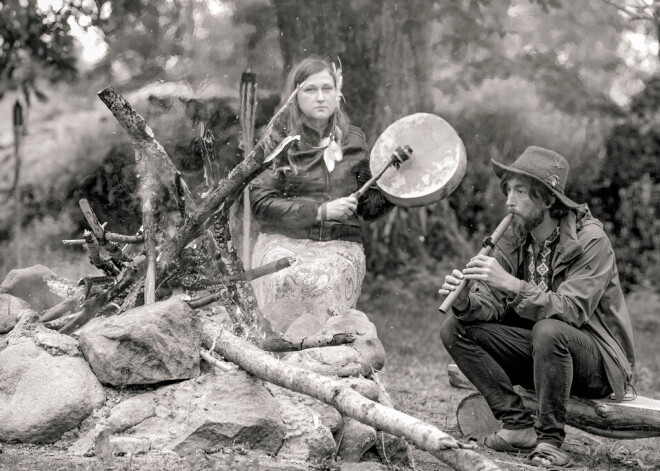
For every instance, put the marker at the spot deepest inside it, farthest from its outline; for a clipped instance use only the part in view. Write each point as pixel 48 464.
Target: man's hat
pixel 543 165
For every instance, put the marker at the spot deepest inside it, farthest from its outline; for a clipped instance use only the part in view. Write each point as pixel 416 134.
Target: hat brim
pixel 501 168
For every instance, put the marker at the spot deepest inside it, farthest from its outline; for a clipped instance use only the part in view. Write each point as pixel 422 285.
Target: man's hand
pixel 451 283
pixel 487 269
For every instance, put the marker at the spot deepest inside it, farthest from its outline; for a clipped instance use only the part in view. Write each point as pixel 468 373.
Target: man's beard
pixel 523 225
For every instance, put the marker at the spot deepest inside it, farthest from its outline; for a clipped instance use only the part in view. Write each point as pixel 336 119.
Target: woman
pixel 304 207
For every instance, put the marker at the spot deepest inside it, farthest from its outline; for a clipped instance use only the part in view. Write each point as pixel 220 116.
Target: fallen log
pixel 346 400
pixel 635 417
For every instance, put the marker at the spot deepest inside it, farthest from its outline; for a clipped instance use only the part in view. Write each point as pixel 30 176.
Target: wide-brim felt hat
pixel 543 165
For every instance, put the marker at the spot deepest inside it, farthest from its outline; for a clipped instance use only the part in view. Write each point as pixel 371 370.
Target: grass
pixel 404 308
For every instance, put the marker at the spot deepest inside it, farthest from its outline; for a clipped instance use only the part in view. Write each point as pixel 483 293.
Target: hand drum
pixel 437 165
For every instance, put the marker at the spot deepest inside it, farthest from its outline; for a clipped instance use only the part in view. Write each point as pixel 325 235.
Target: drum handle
pixel 397 158
pixel 489 243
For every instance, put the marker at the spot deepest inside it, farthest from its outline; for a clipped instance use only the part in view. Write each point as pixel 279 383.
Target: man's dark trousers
pixel 553 358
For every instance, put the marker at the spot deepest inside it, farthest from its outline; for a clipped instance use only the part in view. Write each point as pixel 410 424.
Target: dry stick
pixel 243 308
pixel 148 188
pixel 343 398
pixel 94 253
pixel 223 365
pixel 61 309
pixel 248 100
pixel 275 344
pixel 93 306
pixel 68 305
pixel 110 237
pixel 247 276
pixel 98 230
pixel 57 324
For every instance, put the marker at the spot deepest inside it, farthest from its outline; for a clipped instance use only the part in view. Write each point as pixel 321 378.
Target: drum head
pixel 436 167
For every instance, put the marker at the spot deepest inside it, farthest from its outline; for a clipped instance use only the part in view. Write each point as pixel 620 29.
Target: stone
pixel 363 466
pixel 146 345
pixel 282 312
pixel 11 311
pixel 350 320
pixel 214 410
pixel 130 412
pixel 38 285
pixel 393 449
pixel 306 325
pixel 129 445
pixel 44 395
pixel 341 360
pixel 356 439
pixel 309 426
pixel 371 354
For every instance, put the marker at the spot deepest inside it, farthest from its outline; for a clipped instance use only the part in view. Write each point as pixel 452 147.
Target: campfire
pixel 115 366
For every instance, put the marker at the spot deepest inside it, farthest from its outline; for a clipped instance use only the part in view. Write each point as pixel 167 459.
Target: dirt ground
pixel 404 310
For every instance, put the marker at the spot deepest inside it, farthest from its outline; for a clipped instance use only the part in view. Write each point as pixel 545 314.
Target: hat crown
pixel 545 165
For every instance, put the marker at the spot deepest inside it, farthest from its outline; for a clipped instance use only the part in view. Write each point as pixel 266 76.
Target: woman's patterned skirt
pixel 325 280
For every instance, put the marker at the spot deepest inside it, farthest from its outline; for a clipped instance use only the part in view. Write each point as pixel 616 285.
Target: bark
pixel 277 344
pixel 143 141
pixel 344 399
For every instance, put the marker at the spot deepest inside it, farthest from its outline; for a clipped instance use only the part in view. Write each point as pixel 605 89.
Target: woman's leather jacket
pixel 285 198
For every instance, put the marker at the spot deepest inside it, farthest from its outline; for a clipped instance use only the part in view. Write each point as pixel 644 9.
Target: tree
pixel 36 43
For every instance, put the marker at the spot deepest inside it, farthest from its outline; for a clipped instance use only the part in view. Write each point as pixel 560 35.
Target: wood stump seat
pixel 635 417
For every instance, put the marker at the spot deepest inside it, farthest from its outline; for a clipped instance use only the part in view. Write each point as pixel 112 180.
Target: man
pixel 546 311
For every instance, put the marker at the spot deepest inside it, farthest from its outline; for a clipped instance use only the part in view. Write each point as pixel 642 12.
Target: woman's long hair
pixel 292 117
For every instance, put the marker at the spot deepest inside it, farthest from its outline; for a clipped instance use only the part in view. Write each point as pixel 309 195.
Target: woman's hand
pixel 340 209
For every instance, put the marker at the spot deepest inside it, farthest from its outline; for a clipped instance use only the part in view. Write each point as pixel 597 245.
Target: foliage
pixel 36 42
pixel 628 192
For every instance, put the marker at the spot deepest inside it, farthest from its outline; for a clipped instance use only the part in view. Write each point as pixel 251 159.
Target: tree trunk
pixel 343 398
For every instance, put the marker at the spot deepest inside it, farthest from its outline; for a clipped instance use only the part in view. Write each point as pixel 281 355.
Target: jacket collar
pixel 309 144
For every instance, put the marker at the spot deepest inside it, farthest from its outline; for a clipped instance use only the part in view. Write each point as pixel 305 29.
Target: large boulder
pixel 38 285
pixel 213 411
pixel 309 426
pixel 146 345
pixel 12 309
pixel 46 387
